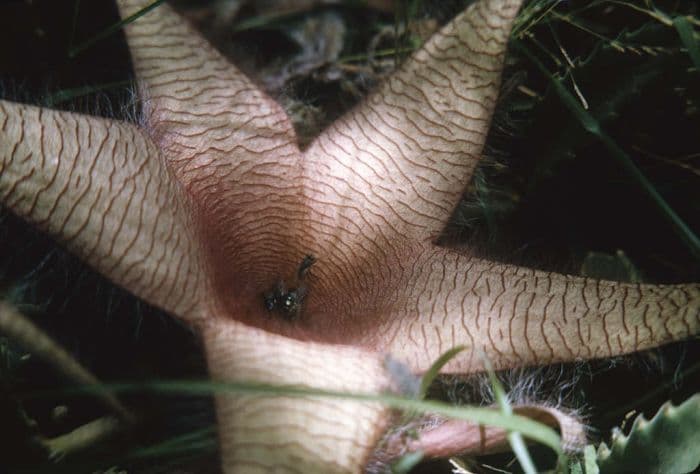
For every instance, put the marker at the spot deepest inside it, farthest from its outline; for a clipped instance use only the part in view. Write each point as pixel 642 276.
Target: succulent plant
pixel 208 209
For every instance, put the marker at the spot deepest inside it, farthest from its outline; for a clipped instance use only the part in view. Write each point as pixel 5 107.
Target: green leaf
pixel 687 35
pixel 434 369
pixel 669 442
pixel 587 465
pixel 407 462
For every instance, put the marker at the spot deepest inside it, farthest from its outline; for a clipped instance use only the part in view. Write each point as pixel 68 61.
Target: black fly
pixel 288 301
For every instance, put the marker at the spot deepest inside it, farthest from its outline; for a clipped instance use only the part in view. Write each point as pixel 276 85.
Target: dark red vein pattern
pixel 519 316
pixel 100 187
pixel 209 203
pixel 307 434
pixel 404 157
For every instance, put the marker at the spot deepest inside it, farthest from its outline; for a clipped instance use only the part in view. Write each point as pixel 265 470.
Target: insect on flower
pixel 288 302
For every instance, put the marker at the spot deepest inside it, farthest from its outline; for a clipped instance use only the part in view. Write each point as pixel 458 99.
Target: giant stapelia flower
pixel 208 208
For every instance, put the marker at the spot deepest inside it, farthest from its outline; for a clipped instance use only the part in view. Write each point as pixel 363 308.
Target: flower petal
pixel 401 160
pixel 270 433
pixel 102 189
pixel 521 317
pixel 228 143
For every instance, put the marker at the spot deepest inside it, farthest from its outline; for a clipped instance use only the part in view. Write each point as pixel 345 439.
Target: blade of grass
pixel 687 35
pixel 407 462
pixel 262 21
pixel 21 330
pixel 514 438
pixel 484 416
pixel 73 51
pixel 434 370
pixel 591 125
pixel 70 94
pixel 589 459
pixel 74 24
pixel 188 442
pixel 377 54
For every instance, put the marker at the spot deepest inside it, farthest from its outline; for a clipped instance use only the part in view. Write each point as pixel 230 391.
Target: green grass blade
pixel 204 439
pixel 589 458
pixel 262 21
pixel 407 462
pixel 484 416
pixel 66 95
pixel 434 369
pixel 514 438
pixel 75 50
pixel 687 35
pixel 520 450
pixel 591 125
pixel 74 25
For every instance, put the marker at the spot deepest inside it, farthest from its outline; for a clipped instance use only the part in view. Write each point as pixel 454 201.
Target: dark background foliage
pixel 549 195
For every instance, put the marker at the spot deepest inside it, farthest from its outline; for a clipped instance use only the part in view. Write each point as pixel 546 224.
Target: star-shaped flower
pixel 308 267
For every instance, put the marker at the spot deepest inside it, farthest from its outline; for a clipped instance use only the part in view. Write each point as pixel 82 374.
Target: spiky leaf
pixel 669 442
